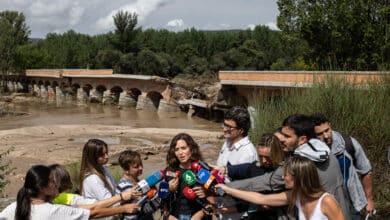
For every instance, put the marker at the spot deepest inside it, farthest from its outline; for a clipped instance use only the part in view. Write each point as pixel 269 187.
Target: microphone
pixel 150 181
pixel 218 176
pixel 209 181
pixel 190 195
pixel 204 165
pixel 163 190
pixel 189 178
pixel 149 195
pixel 195 166
pixel 172 174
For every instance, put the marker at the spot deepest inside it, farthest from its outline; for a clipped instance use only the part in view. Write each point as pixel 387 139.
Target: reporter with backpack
pixel 354 165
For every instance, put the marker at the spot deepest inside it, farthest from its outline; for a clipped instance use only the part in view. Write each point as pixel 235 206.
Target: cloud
pixel 272 26
pixel 251 26
pixel 143 8
pixel 176 23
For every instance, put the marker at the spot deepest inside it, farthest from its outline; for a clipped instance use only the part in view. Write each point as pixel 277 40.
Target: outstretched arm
pixel 278 199
pixel 103 212
pixel 124 196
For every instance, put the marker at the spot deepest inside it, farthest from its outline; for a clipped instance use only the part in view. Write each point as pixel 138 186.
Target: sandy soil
pixel 63 144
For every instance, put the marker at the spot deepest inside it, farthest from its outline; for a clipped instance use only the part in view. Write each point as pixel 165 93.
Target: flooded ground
pixel 51 134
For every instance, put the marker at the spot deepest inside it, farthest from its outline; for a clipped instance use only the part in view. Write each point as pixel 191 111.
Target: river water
pixel 39 114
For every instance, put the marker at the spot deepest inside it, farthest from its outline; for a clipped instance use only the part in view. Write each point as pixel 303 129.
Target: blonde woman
pixel 307 194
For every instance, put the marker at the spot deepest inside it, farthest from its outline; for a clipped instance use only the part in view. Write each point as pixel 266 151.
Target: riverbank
pixel 46 134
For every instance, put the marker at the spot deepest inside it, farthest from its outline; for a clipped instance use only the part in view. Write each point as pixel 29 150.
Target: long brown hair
pixel 172 161
pixel 92 150
pixel 307 184
pixel 271 141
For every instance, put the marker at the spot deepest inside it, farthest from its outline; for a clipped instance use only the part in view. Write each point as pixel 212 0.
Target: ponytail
pixel 23 207
pixel 36 178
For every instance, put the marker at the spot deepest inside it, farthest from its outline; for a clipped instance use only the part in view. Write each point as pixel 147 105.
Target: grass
pixel 362 112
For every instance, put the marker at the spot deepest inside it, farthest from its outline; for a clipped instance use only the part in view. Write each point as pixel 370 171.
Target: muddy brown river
pixel 56 134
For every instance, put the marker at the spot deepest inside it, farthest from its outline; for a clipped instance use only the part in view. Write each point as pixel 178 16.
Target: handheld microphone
pixel 189 178
pixel 163 190
pixel 149 195
pixel 218 176
pixel 195 166
pixel 209 181
pixel 190 194
pixel 172 174
pixel 204 165
pixel 150 181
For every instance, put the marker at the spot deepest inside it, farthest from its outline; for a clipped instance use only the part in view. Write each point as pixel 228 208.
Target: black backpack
pixel 349 147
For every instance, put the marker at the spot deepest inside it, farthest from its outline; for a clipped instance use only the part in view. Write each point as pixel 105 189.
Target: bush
pixel 360 111
pixel 5 169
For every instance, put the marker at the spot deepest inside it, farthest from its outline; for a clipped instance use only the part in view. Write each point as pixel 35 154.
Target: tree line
pixel 313 35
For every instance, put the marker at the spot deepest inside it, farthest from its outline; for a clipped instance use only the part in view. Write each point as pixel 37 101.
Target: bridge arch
pixel 155 98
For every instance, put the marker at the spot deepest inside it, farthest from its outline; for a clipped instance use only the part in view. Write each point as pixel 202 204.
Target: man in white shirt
pixel 237 149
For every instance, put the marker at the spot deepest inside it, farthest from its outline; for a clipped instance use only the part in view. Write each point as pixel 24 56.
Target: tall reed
pixel 360 111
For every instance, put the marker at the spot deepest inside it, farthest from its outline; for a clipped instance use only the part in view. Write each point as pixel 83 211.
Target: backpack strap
pixel 349 147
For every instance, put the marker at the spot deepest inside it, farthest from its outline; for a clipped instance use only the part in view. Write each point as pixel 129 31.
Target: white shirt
pixel 243 151
pixel 317 213
pixel 48 211
pixel 94 188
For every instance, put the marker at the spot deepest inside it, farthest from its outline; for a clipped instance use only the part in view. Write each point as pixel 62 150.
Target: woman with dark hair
pixel 32 202
pixel 183 150
pixel 307 193
pixel 95 180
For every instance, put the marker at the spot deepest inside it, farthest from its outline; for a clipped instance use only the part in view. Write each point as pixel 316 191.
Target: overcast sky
pixel 95 16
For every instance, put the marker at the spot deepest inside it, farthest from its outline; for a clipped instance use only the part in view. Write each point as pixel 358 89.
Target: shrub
pixel 360 111
pixel 5 169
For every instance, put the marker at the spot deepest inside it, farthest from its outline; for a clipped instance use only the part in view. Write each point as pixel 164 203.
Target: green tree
pixel 13 32
pixel 342 34
pixel 125 35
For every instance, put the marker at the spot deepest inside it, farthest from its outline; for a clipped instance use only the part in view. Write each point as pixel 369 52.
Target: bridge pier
pixel 82 96
pixel 60 95
pixel 36 90
pixel 108 98
pixel 43 93
pixel 166 106
pixel 144 102
pixel 11 86
pixel 51 94
pixel 95 96
pixel 127 100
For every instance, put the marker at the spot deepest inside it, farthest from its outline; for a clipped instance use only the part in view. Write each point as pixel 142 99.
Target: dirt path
pixel 63 144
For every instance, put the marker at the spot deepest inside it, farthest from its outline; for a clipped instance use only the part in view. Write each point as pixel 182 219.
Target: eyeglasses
pixel 228 127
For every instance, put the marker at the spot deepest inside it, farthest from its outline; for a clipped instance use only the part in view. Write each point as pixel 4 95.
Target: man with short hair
pixel 237 149
pixel 299 137
pixel 359 166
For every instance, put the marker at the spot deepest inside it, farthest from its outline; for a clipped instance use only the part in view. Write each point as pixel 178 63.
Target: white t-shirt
pixel 242 151
pixel 93 186
pixel 47 211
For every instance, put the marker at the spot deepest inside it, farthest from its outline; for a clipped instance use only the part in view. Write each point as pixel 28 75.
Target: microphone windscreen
pixel 218 176
pixel 163 190
pixel 189 193
pixel 195 166
pixel 189 177
pixel 203 175
pixel 154 178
